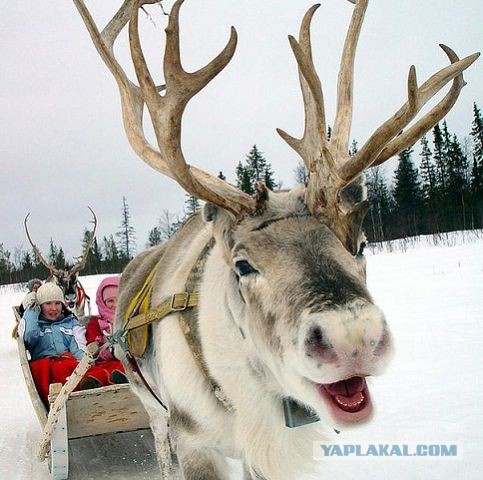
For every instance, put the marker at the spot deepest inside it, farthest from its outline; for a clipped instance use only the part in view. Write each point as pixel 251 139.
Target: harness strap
pixel 135 367
pixel 175 303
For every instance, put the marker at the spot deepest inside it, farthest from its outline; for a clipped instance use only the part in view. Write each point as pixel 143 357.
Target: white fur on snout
pixel 352 334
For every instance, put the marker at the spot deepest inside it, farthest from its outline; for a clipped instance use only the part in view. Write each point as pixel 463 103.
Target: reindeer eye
pixel 244 268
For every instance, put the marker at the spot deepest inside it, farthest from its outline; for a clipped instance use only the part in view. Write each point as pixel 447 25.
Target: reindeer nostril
pixel 318 345
pixel 383 343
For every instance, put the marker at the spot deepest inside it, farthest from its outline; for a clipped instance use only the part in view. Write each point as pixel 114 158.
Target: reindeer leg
pixel 196 462
pixel 202 464
pixel 169 468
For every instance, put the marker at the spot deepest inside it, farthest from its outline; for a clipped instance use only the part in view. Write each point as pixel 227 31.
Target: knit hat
pixel 50 292
pixel 31 283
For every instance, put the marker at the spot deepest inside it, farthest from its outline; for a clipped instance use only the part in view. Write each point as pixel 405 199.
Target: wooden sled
pixel 111 409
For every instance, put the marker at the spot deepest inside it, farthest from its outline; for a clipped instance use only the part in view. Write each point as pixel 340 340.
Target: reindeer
pixel 259 314
pixel 68 278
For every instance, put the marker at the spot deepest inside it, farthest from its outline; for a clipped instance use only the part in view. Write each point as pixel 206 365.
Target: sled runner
pixel 85 413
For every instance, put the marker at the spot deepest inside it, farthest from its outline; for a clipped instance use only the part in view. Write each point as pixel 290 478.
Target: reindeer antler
pixel 328 162
pixel 78 266
pixel 165 111
pixel 45 263
pixel 83 259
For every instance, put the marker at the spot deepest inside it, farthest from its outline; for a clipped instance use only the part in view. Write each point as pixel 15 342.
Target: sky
pixel 63 146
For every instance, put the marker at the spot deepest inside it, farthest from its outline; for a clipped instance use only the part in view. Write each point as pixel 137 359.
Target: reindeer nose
pixel 317 345
pixel 384 342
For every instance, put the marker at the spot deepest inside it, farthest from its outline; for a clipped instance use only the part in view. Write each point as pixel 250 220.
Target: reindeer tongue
pixel 347 394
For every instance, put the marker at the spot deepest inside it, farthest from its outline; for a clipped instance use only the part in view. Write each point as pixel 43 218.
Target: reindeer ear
pixel 356 218
pixel 223 224
pixel 210 212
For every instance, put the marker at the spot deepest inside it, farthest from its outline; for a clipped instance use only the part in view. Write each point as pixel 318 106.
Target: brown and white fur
pixel 305 319
pixel 284 310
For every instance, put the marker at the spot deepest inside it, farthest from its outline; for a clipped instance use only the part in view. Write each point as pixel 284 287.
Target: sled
pixel 86 413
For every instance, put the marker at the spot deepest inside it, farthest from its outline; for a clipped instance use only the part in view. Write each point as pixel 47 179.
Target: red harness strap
pixel 134 365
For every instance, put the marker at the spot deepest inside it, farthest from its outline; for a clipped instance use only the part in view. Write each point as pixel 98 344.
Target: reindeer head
pixel 66 279
pixel 293 263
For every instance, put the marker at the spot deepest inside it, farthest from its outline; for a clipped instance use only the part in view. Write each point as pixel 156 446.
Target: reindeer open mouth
pixel 349 399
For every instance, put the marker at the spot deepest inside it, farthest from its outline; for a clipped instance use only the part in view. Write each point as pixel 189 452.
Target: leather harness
pixel 134 336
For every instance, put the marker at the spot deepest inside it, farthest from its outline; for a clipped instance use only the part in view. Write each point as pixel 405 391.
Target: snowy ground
pixel 432 393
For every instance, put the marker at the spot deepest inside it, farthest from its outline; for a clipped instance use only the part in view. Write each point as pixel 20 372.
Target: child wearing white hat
pixel 56 342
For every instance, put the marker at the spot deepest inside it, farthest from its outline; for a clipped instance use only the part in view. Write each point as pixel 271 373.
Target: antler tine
pixel 45 263
pixel 343 118
pixel 165 111
pixel 417 98
pixel 315 134
pixel 82 262
pixel 410 136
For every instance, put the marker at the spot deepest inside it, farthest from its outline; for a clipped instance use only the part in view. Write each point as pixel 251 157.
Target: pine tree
pixel 458 189
pixel 6 266
pixel 111 254
pixel 126 233
pixel 53 252
pixel 428 187
pixel 243 179
pixel 377 222
pixel 192 205
pixel 477 151
pixel 407 194
pixel 427 170
pixel 60 259
pixel 96 257
pixel 256 169
pixel 154 237
pixel 439 158
pixel 221 176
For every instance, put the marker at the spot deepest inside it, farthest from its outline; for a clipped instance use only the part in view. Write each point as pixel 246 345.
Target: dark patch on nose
pixel 384 341
pixel 355 353
pixel 317 345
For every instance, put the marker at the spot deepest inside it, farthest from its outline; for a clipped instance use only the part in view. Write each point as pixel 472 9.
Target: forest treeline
pixel 444 193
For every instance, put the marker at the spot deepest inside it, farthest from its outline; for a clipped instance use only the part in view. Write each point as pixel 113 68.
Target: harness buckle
pixel 176 296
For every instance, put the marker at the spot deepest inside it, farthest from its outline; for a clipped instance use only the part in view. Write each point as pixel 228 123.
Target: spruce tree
pixel 428 187
pixel 154 237
pixel 377 223
pixel 256 169
pixel 407 194
pixel 243 179
pixel 439 158
pixel 192 205
pixel 477 151
pixel 53 252
pixel 126 233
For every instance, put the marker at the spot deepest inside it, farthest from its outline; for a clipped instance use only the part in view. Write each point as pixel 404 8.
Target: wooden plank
pixel 37 403
pixel 105 410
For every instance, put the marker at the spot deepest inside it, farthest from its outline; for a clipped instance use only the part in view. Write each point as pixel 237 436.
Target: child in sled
pixel 101 325
pixel 56 342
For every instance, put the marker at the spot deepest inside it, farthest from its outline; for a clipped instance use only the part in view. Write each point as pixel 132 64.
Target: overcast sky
pixel 63 146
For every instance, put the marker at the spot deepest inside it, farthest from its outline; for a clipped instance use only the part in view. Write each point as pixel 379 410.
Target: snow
pixel 431 393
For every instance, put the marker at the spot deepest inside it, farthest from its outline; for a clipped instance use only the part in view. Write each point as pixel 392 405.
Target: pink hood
pixel 106 315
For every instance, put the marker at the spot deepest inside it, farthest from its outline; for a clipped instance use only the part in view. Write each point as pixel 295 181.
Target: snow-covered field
pixel 432 392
